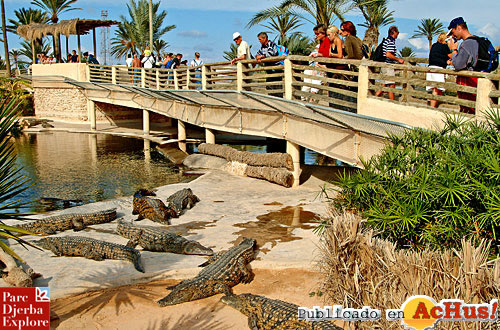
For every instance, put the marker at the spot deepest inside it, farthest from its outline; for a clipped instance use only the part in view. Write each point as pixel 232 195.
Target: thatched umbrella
pixel 67 27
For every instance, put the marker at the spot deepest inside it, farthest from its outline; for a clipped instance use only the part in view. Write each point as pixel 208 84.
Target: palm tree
pixel 406 52
pixel 376 15
pixel 133 35
pixel 232 53
pixel 281 22
pixel 27 50
pixel 298 44
pixel 53 8
pixel 159 46
pixel 429 27
pixel 26 16
pixel 5 43
pixel 14 54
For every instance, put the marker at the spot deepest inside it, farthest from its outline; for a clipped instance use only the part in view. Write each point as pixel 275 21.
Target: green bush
pixel 431 188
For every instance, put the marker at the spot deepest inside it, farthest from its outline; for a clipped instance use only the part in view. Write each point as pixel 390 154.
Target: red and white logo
pixel 24 308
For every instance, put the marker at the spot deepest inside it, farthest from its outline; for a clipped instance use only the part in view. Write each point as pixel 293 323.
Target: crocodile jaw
pixel 197 248
pixel 177 297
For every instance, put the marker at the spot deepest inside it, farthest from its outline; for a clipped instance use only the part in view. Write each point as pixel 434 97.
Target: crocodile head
pixel 44 243
pixel 238 302
pixel 144 192
pixel 196 248
pixel 250 243
pixel 180 294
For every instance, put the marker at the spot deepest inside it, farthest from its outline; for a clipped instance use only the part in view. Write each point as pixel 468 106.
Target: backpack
pixel 378 55
pixel 93 60
pixel 282 51
pixel 487 59
pixel 365 51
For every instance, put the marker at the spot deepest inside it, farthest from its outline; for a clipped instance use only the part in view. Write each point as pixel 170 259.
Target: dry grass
pixel 361 270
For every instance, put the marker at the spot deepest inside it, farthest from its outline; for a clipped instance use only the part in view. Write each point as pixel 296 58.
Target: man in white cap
pixel 243 48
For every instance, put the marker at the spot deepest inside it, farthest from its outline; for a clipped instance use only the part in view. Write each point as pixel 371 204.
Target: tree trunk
pixel 430 42
pixel 371 37
pixel 5 43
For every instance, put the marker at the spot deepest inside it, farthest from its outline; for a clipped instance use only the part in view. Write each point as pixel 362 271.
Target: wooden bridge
pixel 328 108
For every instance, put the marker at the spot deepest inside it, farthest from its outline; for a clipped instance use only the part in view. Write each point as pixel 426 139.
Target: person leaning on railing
pixel 353 45
pixel 268 49
pixel 336 51
pixel 438 58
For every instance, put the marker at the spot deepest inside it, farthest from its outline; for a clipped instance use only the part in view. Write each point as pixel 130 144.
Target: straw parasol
pixel 75 26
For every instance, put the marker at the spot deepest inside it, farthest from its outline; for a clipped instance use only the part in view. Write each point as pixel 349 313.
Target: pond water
pixel 90 167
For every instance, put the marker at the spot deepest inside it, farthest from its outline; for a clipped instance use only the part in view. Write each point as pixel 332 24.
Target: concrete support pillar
pixel 363 84
pixel 288 79
pixel 113 75
pixel 143 78
pixel 293 149
pixel 483 100
pixel 203 78
pixel 239 76
pixel 91 114
pixel 145 122
pixel 181 135
pixel 209 136
pixel 176 80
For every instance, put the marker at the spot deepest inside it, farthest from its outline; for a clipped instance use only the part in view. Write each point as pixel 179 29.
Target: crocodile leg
pixel 89 253
pixel 134 241
pixel 252 322
pixel 139 217
pixel 78 224
pixel 247 274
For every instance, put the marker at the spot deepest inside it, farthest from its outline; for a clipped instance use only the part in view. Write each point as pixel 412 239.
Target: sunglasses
pixel 316 33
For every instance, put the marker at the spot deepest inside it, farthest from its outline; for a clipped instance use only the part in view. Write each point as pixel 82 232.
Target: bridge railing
pixel 349 85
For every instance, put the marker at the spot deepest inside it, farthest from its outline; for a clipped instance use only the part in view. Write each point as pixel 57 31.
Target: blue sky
pixel 207 25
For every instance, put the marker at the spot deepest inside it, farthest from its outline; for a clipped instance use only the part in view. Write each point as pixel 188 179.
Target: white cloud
pixel 203 48
pixel 419 43
pixel 491 31
pixel 193 34
pixel 403 36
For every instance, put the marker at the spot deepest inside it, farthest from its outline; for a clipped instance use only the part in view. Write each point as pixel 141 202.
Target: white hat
pixel 236 35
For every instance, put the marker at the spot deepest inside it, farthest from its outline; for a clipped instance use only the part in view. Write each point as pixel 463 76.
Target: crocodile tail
pixel 136 260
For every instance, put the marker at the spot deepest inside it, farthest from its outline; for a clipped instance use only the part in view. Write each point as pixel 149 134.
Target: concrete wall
pixel 75 71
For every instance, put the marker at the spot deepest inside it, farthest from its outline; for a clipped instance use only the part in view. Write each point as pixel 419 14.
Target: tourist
pixel 136 64
pixel 38 57
pixel 389 51
pixel 439 56
pixel 269 49
pixel 170 57
pixel 148 60
pixel 74 57
pixel 324 43
pixel 243 51
pixel 353 45
pixel 176 62
pixel 129 60
pixel 463 58
pixel 336 51
pixel 197 62
pixel 312 72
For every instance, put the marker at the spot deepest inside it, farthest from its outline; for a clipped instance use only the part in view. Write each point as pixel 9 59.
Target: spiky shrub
pixel 432 188
pixel 12 181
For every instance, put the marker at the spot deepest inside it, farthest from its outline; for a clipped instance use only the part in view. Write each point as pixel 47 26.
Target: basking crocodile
pixel 265 313
pixel 75 221
pixel 77 246
pixel 159 240
pixel 151 208
pixel 183 199
pixel 220 276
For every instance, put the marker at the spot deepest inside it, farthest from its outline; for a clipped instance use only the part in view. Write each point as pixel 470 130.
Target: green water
pixel 90 167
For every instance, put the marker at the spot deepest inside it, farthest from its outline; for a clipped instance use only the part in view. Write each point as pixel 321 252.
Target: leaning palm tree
pixel 53 8
pixel 406 52
pixel 5 43
pixel 159 46
pixel 133 35
pixel 428 28
pixel 283 23
pixel 25 16
pixel 376 15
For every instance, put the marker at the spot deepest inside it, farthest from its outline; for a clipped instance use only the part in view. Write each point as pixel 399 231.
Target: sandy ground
pixel 134 306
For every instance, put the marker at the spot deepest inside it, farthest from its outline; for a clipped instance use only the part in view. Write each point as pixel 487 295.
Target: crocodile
pixel 151 208
pixel 75 221
pixel 218 277
pixel 183 199
pixel 265 313
pixel 77 246
pixel 159 240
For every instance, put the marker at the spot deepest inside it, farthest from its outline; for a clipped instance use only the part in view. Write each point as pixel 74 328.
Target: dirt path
pixel 134 306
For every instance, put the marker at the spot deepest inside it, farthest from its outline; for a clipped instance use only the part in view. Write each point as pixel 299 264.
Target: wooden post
pixel 188 78
pixel 181 135
pixel 176 80
pixel 33 51
pixel 91 114
pixel 293 150
pixel 209 136
pixel 79 47
pixel 67 48
pixel 288 79
pixel 363 84
pixel 145 122
pixel 113 75
pixel 157 79
pixel 239 76
pixel 203 78
pixel 94 42
pixel 483 100
pixel 143 78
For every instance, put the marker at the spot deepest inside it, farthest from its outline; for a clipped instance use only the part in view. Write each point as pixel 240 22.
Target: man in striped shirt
pixel 389 51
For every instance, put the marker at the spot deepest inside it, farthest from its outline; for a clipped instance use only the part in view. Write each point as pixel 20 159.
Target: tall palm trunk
pixel 371 37
pixel 5 43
